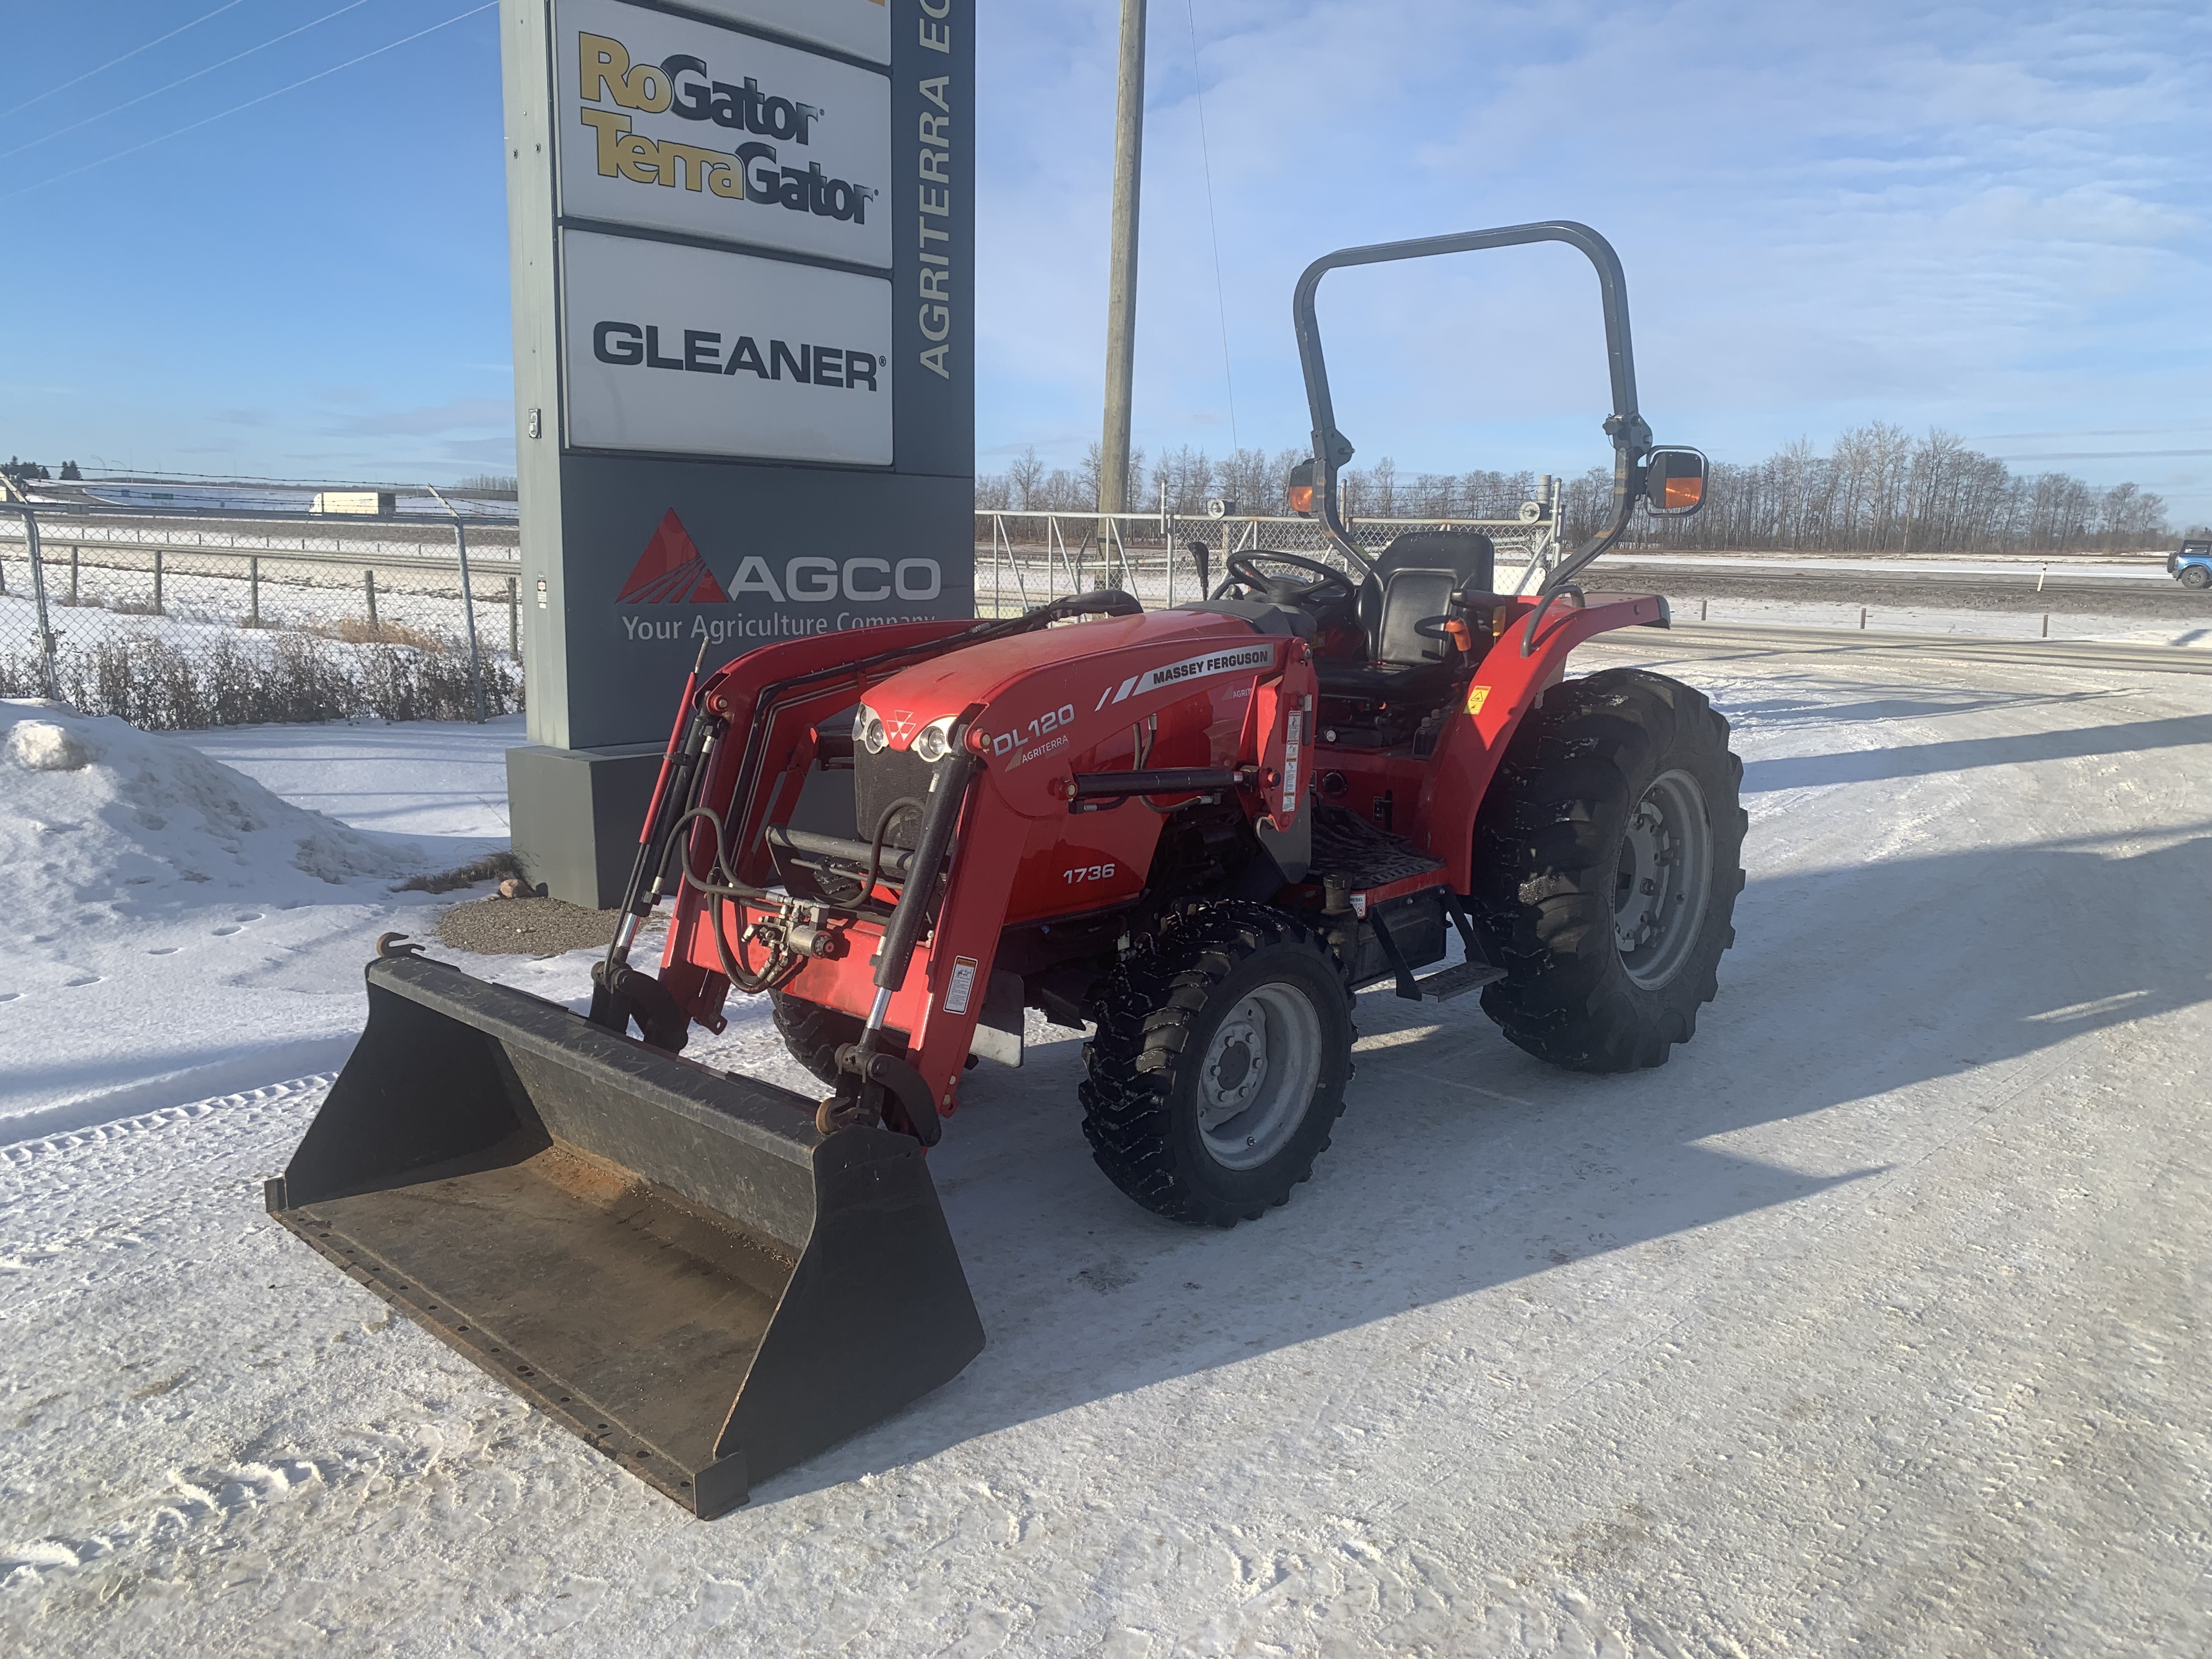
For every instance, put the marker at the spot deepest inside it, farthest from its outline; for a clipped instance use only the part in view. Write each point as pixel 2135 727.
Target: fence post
pixel 158 609
pixel 468 600
pixel 39 595
pixel 469 615
pixel 369 586
pixel 514 621
pixel 73 558
pixel 253 592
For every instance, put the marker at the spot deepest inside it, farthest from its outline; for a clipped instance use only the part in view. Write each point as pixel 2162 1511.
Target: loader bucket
pixel 670 1261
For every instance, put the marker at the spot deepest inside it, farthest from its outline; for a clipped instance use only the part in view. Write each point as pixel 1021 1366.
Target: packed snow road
pixel 1874 1321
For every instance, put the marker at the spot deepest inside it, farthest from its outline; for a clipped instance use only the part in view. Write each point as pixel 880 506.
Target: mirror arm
pixel 1631 439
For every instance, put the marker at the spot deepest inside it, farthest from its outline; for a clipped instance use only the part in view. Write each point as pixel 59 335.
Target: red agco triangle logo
pixel 671 571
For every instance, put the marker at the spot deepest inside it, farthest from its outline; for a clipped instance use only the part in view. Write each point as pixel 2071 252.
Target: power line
pixel 219 114
pixel 116 109
pixel 112 62
pixel 1205 155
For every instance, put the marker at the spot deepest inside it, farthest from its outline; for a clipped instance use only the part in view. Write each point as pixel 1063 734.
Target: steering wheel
pixel 1327 580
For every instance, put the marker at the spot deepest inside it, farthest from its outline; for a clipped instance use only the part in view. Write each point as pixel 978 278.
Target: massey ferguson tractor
pixel 1197 832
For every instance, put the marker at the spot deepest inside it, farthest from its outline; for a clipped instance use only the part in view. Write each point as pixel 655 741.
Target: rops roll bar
pixel 1631 438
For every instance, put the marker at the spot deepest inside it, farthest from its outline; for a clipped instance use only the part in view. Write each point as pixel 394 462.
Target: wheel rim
pixel 1258 1076
pixel 1665 877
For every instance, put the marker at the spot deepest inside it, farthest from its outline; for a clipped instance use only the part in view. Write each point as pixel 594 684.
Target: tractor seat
pixel 1414 580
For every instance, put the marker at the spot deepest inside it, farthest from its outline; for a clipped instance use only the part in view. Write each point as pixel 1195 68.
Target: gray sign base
pixel 576 814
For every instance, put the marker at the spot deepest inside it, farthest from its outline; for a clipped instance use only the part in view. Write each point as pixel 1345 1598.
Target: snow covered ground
pixel 175 929
pixel 2069 618
pixel 1873 1321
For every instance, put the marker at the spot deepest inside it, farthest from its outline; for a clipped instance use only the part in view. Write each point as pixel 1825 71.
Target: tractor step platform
pixel 1458 980
pixel 1365 855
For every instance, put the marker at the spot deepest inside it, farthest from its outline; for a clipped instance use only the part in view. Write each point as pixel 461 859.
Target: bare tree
pixel 1025 475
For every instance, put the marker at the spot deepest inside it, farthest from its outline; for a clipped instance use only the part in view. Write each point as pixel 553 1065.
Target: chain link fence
pixel 181 624
pixel 184 623
pixel 1024 559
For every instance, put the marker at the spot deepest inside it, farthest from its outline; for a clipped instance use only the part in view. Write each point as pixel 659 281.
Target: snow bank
pixel 172 924
pixel 93 812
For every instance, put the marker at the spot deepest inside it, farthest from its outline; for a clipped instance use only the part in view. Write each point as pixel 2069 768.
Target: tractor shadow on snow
pixel 1462 1164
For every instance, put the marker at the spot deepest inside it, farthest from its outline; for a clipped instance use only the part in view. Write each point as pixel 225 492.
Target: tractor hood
pixel 933 694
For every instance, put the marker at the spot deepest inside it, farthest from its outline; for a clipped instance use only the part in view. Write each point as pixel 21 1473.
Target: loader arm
pixel 1026 733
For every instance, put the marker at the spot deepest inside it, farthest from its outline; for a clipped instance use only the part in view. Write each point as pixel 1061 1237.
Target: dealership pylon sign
pixel 741 237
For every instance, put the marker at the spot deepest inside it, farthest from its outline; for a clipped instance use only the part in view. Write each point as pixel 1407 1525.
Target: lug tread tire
pixel 1547 846
pixel 813 1033
pixel 1141 1127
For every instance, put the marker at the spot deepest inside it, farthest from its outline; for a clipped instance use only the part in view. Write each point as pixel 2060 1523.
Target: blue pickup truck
pixel 2191 566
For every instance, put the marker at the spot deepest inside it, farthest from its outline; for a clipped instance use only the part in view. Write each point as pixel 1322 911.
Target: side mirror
pixel 1674 482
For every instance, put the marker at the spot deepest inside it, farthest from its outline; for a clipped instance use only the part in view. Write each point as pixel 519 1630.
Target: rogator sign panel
pixel 674 124
pixel 689 350
pixel 862 27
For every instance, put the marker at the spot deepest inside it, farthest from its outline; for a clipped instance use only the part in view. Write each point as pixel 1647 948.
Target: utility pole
pixel 1122 268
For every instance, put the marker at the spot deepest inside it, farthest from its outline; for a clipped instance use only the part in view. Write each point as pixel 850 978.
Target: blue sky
pixel 1990 218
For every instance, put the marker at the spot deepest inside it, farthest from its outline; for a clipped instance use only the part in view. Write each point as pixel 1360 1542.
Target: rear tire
pixel 1608 853
pixel 2196 576
pixel 1219 1063
pixel 813 1033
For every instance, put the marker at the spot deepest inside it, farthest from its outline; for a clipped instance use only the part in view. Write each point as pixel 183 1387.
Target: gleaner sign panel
pixel 678 125
pixel 862 27
pixel 685 350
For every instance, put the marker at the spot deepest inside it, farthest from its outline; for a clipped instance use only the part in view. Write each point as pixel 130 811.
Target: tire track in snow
pixel 106 1188
pixel 124 1248
pixel 119 1212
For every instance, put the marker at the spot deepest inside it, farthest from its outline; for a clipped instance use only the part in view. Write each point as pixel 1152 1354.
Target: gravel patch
pixel 526 928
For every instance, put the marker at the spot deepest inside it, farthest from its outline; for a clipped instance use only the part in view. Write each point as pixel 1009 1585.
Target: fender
pixel 1505 686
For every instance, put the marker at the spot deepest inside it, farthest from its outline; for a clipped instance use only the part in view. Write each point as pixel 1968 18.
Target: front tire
pixel 813 1033
pixel 1608 855
pixel 1219 1064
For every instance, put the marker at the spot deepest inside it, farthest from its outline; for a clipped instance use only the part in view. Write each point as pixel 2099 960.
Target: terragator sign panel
pixel 687 126
pixel 688 350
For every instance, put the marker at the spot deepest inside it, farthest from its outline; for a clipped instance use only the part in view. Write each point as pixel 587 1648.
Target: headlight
pixel 869 728
pixel 934 741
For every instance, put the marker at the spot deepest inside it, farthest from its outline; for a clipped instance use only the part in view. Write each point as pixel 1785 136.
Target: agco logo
pixel 680 87
pixel 672 571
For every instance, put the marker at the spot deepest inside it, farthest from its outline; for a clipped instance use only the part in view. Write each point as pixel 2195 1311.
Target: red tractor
pixel 1199 831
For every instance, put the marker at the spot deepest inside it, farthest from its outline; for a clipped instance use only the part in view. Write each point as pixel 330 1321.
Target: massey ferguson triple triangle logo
pixel 671 571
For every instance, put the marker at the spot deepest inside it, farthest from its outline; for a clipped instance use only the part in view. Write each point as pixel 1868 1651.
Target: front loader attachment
pixel 670 1261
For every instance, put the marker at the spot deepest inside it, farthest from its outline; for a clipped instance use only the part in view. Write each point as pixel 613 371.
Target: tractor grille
pixel 879 780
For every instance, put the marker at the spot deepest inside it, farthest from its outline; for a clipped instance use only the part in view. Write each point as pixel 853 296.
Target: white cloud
pixel 1985 217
